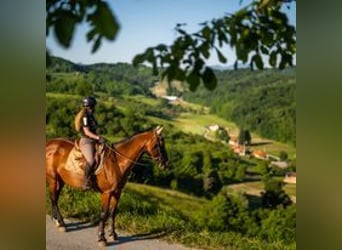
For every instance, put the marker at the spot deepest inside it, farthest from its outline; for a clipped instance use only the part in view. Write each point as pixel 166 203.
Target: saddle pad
pixel 75 162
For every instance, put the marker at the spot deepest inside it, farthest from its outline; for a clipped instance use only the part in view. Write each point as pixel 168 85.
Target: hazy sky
pixel 146 23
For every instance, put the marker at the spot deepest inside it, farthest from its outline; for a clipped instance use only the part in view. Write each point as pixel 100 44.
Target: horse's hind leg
pixel 55 188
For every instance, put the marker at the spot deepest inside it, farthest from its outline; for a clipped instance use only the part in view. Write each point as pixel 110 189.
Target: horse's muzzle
pixel 163 165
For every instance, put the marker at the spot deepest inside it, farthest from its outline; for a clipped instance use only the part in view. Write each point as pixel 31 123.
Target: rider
pixel 86 124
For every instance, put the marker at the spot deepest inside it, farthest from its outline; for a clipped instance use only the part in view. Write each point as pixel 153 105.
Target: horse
pixel 119 158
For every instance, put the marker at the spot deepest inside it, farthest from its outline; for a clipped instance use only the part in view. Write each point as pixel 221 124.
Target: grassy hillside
pixel 168 214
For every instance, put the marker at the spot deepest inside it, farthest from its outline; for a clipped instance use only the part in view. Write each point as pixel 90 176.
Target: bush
pixel 274 195
pixel 280 225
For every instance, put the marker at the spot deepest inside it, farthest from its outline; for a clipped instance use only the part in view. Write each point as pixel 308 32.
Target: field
pixel 196 123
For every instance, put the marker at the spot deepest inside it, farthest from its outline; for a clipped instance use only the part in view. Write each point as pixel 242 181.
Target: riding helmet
pixel 89 101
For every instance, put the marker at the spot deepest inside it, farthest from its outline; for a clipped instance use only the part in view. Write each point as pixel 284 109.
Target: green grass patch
pixel 165 213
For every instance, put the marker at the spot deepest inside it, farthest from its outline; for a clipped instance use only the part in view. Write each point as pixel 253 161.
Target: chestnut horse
pixel 119 158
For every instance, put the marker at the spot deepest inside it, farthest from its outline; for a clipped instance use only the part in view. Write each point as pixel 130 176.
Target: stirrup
pixel 87 185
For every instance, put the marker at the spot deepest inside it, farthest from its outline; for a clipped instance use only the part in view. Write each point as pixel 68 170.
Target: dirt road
pixel 82 236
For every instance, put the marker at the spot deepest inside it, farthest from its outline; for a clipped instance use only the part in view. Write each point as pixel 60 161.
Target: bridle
pixel 159 157
pixel 154 158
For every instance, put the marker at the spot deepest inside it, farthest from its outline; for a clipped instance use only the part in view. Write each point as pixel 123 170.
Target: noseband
pixel 159 157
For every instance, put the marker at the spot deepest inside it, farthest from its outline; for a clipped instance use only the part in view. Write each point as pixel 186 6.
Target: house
pixel 233 141
pixel 239 149
pixel 170 98
pixel 214 127
pixel 290 177
pixel 259 154
pixel 280 164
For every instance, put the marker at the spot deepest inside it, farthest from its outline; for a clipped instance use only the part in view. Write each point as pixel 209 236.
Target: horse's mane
pixel 127 139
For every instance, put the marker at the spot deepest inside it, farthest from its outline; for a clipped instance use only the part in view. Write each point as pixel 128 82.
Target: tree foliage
pixel 62 16
pixel 256 30
pixel 245 137
pixel 263 101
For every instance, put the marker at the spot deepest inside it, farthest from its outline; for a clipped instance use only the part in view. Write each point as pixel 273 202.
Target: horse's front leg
pixel 105 198
pixel 113 208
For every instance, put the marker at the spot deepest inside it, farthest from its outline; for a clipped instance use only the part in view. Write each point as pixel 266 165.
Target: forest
pixel 263 102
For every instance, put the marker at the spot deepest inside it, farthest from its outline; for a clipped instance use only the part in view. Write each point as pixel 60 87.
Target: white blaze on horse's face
pixel 159 129
pixel 157 150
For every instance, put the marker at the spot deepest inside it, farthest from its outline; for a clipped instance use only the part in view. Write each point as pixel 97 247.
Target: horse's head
pixel 156 148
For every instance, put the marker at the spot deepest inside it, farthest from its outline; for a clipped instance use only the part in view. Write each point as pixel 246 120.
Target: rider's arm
pixel 88 133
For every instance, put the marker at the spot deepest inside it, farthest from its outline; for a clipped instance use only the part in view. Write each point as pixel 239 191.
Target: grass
pixel 256 187
pixel 196 123
pixel 167 214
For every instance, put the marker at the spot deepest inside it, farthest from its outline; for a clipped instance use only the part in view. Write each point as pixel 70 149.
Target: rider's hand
pixel 102 140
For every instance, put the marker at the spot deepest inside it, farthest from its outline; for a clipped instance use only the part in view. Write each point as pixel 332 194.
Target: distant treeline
pixel 261 101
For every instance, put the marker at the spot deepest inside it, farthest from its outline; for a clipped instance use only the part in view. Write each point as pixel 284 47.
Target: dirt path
pixel 82 236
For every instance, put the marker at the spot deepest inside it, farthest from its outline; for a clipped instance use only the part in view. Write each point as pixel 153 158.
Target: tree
pixel 63 15
pixel 212 183
pixel 283 155
pixel 222 135
pixel 83 88
pixel 245 137
pixel 274 195
pixel 257 30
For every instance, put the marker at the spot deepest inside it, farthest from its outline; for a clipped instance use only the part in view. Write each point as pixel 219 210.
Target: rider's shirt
pixel 89 121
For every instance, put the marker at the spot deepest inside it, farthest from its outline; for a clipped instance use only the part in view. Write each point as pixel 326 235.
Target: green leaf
pixel 91 34
pixel 96 44
pixel 204 48
pixel 64 29
pixel 179 74
pixel 149 55
pixel 194 80
pixel 138 59
pixel 221 57
pixel 206 33
pixel 273 59
pixel 161 47
pixel 267 38
pixel 236 65
pixel 209 78
pixel 106 22
pixel 264 50
pixel 241 52
pixel 282 63
pixel 258 61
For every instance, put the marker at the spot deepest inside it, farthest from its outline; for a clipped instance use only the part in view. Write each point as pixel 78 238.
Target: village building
pixel 290 177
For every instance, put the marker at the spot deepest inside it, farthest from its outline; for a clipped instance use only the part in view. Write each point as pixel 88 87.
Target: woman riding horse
pixel 119 158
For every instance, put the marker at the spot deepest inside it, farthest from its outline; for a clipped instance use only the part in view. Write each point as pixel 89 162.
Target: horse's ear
pixel 159 129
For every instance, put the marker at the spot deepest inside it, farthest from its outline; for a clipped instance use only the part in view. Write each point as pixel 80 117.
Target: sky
pixel 147 23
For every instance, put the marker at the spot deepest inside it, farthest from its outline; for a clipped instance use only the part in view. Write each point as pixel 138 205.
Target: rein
pixel 125 157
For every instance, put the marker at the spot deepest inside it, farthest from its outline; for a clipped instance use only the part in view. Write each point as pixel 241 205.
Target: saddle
pixel 76 161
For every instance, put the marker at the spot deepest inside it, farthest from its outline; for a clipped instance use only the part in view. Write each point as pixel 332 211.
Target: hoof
pixel 102 243
pixel 62 229
pixel 113 238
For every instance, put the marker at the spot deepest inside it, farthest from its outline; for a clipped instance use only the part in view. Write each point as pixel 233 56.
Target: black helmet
pixel 89 101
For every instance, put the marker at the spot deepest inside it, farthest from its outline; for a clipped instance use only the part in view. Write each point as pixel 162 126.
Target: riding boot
pixel 87 172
